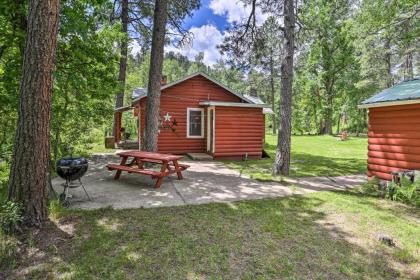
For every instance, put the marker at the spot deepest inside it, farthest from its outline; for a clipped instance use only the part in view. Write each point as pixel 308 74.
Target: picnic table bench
pixel 169 164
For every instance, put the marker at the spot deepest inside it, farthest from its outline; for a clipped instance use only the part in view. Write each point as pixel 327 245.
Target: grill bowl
pixel 72 168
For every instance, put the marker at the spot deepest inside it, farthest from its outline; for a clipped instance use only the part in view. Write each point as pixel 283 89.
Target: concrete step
pixel 200 156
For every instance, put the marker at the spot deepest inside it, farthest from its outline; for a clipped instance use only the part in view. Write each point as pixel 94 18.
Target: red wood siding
pixel 175 100
pixel 394 139
pixel 239 131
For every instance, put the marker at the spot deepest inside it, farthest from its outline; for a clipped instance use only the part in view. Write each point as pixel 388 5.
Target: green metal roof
pixel 405 90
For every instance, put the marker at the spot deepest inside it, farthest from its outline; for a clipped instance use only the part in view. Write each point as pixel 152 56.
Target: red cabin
pixel 394 130
pixel 200 115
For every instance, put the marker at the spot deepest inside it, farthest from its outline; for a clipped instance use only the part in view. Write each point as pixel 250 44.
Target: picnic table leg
pixel 178 170
pixel 140 164
pixel 118 174
pixel 162 172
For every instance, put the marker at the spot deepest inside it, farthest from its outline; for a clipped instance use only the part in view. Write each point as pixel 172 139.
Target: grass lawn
pixel 311 156
pixel 324 235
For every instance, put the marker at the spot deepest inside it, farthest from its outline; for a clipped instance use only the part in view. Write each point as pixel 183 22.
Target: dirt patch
pixel 39 249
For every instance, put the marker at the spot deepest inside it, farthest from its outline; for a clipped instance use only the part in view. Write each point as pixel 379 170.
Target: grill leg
pixel 80 181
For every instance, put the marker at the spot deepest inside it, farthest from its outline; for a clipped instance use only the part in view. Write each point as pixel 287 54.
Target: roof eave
pixel 191 76
pixel 389 103
pixel 233 104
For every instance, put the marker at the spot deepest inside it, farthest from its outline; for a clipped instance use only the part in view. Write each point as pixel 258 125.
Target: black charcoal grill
pixel 72 170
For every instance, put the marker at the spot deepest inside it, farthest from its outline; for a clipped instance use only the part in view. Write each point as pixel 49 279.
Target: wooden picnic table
pixel 169 164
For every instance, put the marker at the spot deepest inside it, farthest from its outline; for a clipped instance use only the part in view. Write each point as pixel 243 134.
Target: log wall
pixel 394 139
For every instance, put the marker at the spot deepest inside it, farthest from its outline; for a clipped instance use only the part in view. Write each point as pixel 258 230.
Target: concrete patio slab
pixel 200 156
pixel 204 182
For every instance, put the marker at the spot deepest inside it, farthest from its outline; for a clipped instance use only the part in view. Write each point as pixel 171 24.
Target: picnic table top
pixel 150 155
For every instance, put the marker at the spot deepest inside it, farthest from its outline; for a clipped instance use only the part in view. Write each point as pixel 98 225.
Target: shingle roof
pixel 140 93
pixel 405 90
pixel 257 100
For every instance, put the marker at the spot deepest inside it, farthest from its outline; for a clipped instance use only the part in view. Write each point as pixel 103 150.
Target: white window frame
pixel 202 122
pixel 209 109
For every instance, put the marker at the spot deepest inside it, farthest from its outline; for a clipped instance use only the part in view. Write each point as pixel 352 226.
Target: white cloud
pixel 205 39
pixel 235 11
pixel 135 47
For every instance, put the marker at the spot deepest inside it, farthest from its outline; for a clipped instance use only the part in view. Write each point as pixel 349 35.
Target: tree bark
pixel 155 74
pixel 29 169
pixel 282 161
pixel 273 93
pixel 409 72
pixel 119 99
pixel 387 46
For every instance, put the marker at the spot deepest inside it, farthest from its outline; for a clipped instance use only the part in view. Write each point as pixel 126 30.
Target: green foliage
pixel 10 215
pixel 326 69
pixel 85 80
pixel 4 177
pixel 405 191
pixel 373 187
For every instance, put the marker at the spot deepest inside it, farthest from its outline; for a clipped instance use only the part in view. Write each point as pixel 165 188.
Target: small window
pixel 195 123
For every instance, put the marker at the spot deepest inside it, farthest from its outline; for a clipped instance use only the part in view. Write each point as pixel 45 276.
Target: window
pixel 195 123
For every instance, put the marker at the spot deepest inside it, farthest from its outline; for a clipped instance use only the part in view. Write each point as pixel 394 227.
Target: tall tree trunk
pixel 329 98
pixel 119 99
pixel 328 116
pixel 28 174
pixel 338 123
pixel 282 161
pixel 408 71
pixel 387 46
pixel 155 74
pixel 273 107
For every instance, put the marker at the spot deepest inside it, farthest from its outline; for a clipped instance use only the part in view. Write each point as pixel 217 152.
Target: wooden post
pixel 117 127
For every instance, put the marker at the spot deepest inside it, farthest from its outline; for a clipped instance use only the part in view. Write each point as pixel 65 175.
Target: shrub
pixel 4 176
pixel 10 215
pixel 373 187
pixel 406 191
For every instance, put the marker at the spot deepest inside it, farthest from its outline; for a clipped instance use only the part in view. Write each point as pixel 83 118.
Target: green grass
pixel 311 156
pixel 319 236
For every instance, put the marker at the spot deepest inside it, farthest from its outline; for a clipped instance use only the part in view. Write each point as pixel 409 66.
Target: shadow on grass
pixel 270 238
pixel 302 165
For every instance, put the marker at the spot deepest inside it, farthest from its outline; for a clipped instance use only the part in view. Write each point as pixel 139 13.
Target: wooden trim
pixel 188 122
pixel 389 103
pixel 214 131
pixel 139 128
pixel 208 129
pixel 233 104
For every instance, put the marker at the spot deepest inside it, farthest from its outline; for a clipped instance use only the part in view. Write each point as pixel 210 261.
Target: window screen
pixel 195 118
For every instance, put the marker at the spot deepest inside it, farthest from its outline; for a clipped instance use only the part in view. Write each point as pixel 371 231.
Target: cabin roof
pixel 140 93
pixel 405 92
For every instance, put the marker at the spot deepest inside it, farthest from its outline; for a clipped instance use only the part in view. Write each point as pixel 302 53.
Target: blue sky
pixel 208 26
pixel 205 15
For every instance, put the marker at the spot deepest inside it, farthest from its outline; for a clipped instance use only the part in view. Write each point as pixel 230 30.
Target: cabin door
pixel 210 129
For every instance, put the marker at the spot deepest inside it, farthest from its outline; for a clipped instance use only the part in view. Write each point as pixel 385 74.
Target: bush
pixel 406 191
pixel 10 215
pixel 374 187
pixel 4 177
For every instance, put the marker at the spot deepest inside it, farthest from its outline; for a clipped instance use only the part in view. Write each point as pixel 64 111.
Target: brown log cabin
pixel 394 130
pixel 200 115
